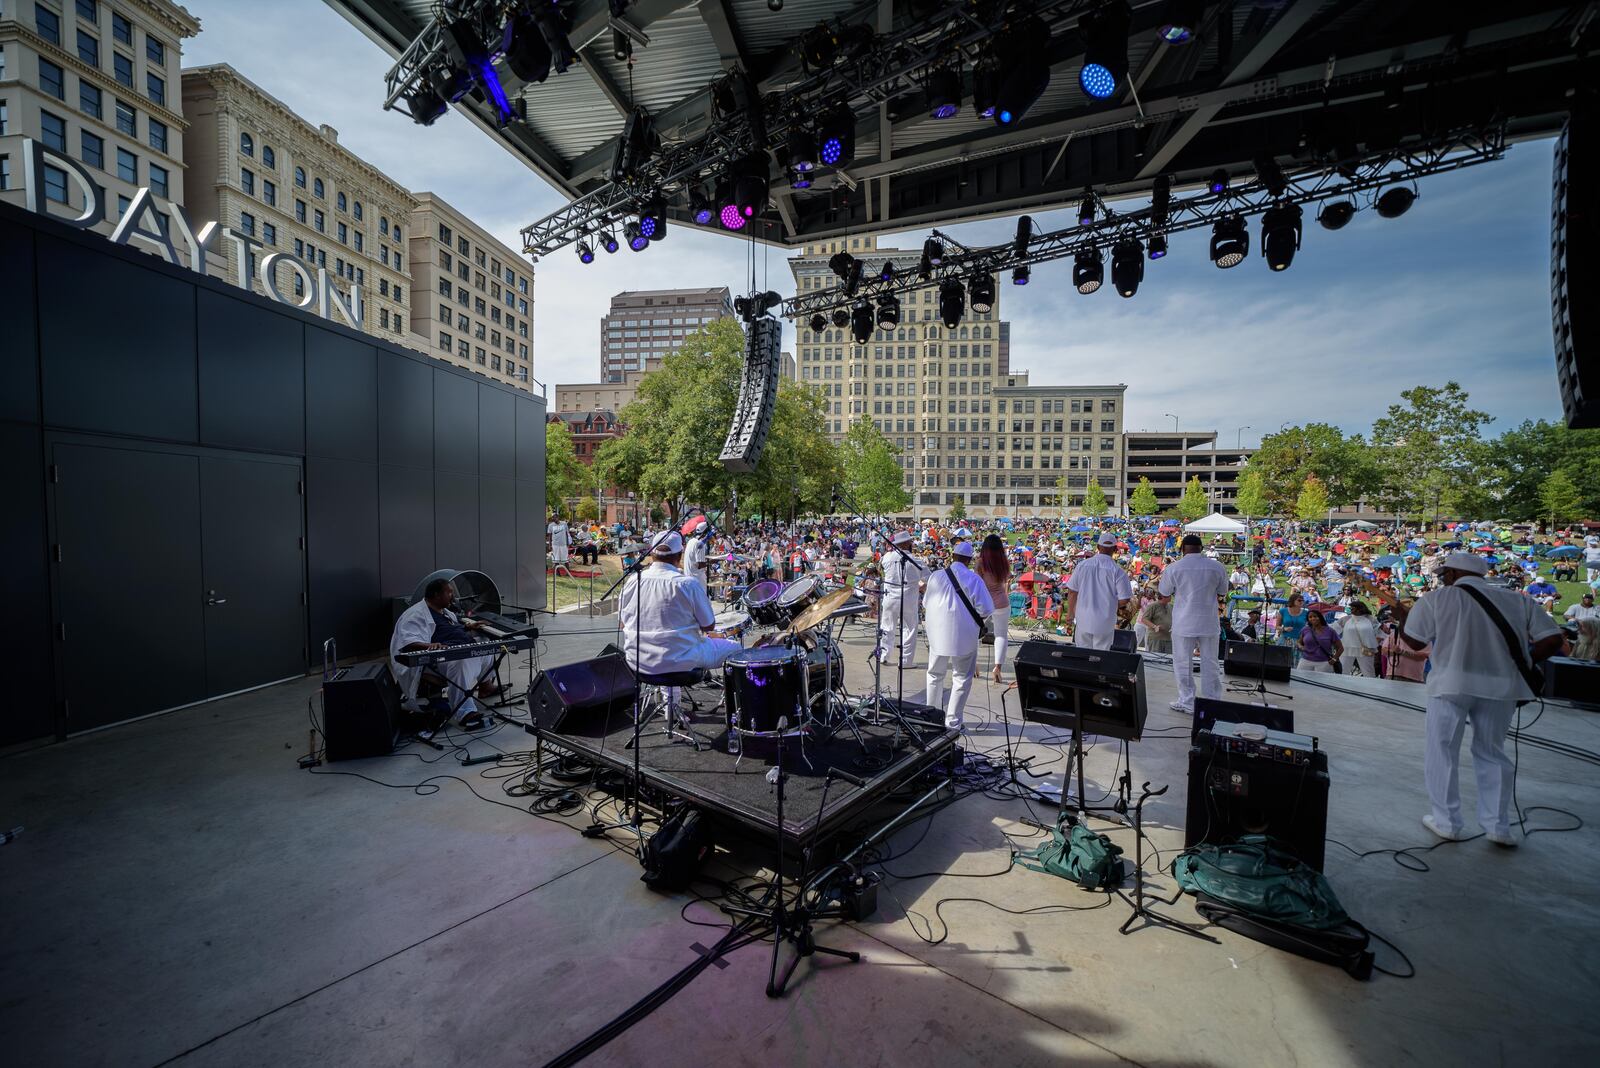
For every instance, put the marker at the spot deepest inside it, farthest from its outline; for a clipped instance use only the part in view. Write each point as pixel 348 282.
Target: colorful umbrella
pixel 1386 561
pixel 1566 552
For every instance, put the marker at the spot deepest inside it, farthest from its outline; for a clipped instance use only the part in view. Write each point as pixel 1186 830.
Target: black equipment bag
pixel 673 855
pixel 1344 946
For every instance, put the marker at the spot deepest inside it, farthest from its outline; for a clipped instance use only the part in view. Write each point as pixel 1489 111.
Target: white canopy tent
pixel 1216 523
pixel 1358 524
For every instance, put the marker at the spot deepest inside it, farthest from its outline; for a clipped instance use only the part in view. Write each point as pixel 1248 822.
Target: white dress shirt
pixel 662 615
pixel 558 541
pixel 1099 583
pixel 1194 581
pixel 1469 654
pixel 901 574
pixel 951 629
pixel 694 554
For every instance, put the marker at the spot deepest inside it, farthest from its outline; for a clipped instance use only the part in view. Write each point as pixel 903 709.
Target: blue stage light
pixel 1097 81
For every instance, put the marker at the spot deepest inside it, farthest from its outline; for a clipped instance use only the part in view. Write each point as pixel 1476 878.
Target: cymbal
pixel 821 610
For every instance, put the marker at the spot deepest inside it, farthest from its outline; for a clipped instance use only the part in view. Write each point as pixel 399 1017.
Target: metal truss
pixel 1352 180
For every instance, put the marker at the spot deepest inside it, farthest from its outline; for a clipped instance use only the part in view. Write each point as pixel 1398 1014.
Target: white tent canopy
pixel 1216 523
pixel 1358 524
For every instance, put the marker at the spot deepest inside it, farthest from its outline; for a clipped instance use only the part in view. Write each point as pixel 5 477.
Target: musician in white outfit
pixel 1097 591
pixel 696 551
pixel 664 614
pixel 1194 582
pixel 953 631
pixel 430 624
pixel 902 600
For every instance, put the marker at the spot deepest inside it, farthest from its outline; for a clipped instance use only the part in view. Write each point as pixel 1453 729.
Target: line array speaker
pixel 1574 244
pixel 758 395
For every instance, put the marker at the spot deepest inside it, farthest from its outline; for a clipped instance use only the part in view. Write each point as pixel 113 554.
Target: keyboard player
pixel 431 624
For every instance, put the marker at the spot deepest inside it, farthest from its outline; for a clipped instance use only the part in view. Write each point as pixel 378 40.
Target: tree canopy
pixel 564 476
pixel 872 476
pixel 1425 448
pixel 1094 500
pixel 1252 496
pixel 1143 502
pixel 1286 459
pixel 1311 506
pixel 1193 504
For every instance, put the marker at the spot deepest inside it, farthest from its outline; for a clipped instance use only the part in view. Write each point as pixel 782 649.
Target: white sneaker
pixel 1505 841
pixel 1179 706
pixel 1442 832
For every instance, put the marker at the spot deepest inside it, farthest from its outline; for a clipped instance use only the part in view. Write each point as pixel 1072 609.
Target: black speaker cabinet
pixel 1572 680
pixel 583 698
pixel 360 712
pixel 1235 794
pixel 1258 661
pixel 1056 683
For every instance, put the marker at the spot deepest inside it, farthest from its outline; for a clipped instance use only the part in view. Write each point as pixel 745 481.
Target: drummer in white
pixel 1096 592
pixel 1194 582
pixel 664 613
pixel 902 600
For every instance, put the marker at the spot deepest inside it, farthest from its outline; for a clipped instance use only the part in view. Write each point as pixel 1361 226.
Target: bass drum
pixel 765 691
pixel 761 601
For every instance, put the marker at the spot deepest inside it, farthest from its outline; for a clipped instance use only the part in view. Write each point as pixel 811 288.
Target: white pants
pixel 1315 665
pixel 1001 622
pixel 713 651
pixel 1592 573
pixel 1447 718
pixel 890 620
pixel 939 665
pixel 1089 639
pixel 1183 672
pixel 1366 664
pixel 463 675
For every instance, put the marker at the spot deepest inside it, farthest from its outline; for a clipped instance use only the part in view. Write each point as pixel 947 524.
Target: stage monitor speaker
pixel 1124 641
pixel 1208 711
pixel 758 395
pixel 582 698
pixel 1257 660
pixel 1235 794
pixel 360 712
pixel 1574 244
pixel 1572 680
pixel 1057 682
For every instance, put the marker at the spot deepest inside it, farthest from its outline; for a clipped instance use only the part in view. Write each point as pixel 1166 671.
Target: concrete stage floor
pixel 183 892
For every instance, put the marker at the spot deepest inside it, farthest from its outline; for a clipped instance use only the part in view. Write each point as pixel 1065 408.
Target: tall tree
pixel 1143 502
pixel 1094 500
pixel 564 476
pixel 1252 496
pixel 1559 500
pixel 1425 447
pixel 1193 504
pixel 958 507
pixel 1312 504
pixel 1517 462
pixel 1286 459
pixel 1061 497
pixel 872 476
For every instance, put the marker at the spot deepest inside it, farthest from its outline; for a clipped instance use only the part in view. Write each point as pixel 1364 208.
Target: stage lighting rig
pixel 1127 267
pixel 944 93
pixel 750 185
pixel 653 219
pixel 980 292
pixel 849 269
pixel 952 302
pixel 861 322
pixel 801 152
pixel 886 272
pixel 841 317
pixel 1088 270
pixel 637 144
pixel 728 213
pixel 609 242
pixel 1230 241
pixel 621 47
pixel 1337 215
pixel 1395 201
pixel 819 46
pixel 1181 21
pixel 1020 275
pixel 700 209
pixel 934 251
pixel 1019 244
pixel 1105 49
pixel 1280 235
pixel 1086 208
pixel 1160 200
pixel 585 251
pixel 635 237
pixel 1218 182
pixel 756 305
pixel 819 323
pixel 1023 56
pixel 527 53
pixel 836 137
pixel 888 311
pixel 1158 246
pixel 1271 175
pixel 985 88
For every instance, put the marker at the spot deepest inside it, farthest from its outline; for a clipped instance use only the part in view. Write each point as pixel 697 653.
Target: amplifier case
pixel 360 712
pixel 1232 795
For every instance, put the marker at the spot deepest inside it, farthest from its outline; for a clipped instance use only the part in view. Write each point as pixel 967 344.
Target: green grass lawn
pixel 563 592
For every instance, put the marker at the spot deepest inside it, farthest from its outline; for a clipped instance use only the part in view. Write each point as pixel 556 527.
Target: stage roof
pixel 1300 79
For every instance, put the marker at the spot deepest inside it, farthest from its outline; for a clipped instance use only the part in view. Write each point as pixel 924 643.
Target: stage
pixel 182 891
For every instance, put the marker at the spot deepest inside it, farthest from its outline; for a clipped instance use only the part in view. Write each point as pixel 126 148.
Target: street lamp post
pixel 1238 438
pixel 1174 419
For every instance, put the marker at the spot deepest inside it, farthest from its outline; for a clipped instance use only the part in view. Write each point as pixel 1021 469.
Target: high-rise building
pixel 1170 460
pixel 263 171
pixel 96 81
pixel 472 297
pixel 945 396
pixel 653 323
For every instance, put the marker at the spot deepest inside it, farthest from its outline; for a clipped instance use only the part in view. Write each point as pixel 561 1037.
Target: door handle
pixel 212 598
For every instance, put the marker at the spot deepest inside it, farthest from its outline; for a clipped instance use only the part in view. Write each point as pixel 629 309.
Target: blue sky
pixel 1458 288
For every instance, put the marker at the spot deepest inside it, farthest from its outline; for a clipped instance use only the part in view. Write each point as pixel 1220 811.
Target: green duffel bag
pixel 1254 876
pixel 1078 854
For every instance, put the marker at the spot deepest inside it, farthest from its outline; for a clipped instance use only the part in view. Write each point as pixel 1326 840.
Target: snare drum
pixel 765 690
pixel 799 594
pixel 731 625
pixel 761 601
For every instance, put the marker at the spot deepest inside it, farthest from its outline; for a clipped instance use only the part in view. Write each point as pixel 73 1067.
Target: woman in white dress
pixel 1358 632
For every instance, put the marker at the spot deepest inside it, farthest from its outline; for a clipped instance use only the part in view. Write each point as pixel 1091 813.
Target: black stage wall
pixel 200 485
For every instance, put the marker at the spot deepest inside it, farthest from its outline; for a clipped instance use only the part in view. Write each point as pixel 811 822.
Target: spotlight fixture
pixel 924 267
pixel 981 290
pixel 425 105
pixel 802 151
pixel 861 322
pixel 934 251
pixel 774 5
pixel 886 272
pixel 1280 235
pixel 1271 175
pixel 888 311
pixel 1337 215
pixel 635 146
pixel 1230 242
pixel 1158 246
pixel 1027 71
pixel 608 241
pixel 1160 199
pixel 1395 201
pixel 449 83
pixel 818 46
pixel 585 251
pixel 1019 244
pixel 819 323
pixel 621 46
pixel 1127 267
pixel 1218 182
pixel 841 317
pixel 944 93
pixel 700 209
pixel 1086 208
pixel 653 219
pixel 952 302
pixel 985 89
pixel 527 52
pixel 756 305
pixel 728 213
pixel 836 137
pixel 1105 50
pixel 1020 275
pixel 635 236
pixel 1181 21
pixel 841 263
pixel 1088 271
pixel 553 24
pixel 800 179
pixel 750 185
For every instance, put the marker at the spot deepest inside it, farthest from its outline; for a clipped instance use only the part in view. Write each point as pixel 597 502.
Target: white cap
pixel 1107 538
pixel 669 544
pixel 962 548
pixel 901 537
pixel 1471 563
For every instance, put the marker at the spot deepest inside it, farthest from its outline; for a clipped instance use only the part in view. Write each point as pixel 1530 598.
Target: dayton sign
pixel 142 222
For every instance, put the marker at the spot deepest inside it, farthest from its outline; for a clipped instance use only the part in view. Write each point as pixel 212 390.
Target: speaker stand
pixel 1141 910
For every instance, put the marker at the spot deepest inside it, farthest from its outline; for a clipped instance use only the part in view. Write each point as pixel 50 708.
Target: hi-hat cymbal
pixel 821 610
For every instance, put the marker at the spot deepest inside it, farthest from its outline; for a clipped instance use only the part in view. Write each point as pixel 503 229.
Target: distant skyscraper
pixel 653 323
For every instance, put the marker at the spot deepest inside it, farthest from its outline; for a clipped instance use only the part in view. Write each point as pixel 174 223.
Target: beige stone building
pixel 264 172
pixel 652 323
pixel 98 82
pixel 947 399
pixel 601 396
pixel 472 297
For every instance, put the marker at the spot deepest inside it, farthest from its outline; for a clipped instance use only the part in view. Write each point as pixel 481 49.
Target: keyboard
pixel 424 657
pixel 503 626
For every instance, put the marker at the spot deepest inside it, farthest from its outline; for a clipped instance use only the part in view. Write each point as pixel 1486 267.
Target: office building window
pixel 300 177
pixel 344 234
pixel 269 233
pixel 121 29
pixel 88 10
pixel 155 51
pixel 127 166
pixel 247 223
pixel 316 189
pixel 126 120
pixel 358 211
pixel 122 67
pixel 89 99
pixel 92 149
pixel 446 342
pixel 5 172
pixel 55 184
pixel 247 181
pixel 397 264
pixel 269 158
pixel 247 144
pixel 5 119
pixel 89 48
pixel 319 222
pixel 383 317
pixel 51 81
pixel 156 87
pixel 359 241
pixel 53 131
pixel 158 181
pixel 341 203
pixel 48 23
pixel 269 193
pixel 383 225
